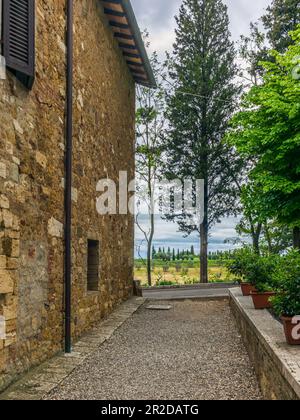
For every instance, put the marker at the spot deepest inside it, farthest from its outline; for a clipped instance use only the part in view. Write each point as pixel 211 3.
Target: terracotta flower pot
pixel 262 300
pixel 247 288
pixel 292 330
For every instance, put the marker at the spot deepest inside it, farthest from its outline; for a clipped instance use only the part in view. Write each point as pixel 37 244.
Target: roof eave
pixel 123 22
pixel 140 43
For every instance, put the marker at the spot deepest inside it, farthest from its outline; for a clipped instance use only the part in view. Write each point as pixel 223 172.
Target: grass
pixel 186 276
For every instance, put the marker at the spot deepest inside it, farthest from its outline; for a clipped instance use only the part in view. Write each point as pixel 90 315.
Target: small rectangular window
pixel 93 266
pixel 19 39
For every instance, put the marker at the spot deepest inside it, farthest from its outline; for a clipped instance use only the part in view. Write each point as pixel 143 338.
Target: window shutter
pixel 19 39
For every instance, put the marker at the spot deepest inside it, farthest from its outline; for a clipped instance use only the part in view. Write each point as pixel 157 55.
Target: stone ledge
pixel 40 381
pixel 276 363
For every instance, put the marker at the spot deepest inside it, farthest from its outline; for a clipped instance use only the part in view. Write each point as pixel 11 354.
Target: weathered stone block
pixel 7 219
pixel 41 159
pixel 3 261
pixel 9 148
pixel 2 170
pixel 55 228
pixel 4 202
pixel 18 127
pixel 10 339
pixel 14 172
pixel 3 359
pixel 6 282
pixel 12 263
pixel 11 247
pixel 10 308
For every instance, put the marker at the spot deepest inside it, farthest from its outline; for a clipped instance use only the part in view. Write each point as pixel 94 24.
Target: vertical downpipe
pixel 68 175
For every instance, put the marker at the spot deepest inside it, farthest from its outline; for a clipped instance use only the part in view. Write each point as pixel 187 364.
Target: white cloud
pixel 158 17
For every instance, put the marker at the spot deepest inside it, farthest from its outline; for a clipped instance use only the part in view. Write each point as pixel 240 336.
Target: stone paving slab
pixel 40 381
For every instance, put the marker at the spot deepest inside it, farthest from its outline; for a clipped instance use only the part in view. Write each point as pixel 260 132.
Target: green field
pixel 185 273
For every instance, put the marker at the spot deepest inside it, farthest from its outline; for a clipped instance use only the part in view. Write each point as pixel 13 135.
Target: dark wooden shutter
pixel 19 37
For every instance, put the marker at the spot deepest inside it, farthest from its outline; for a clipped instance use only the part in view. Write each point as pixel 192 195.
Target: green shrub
pixel 258 270
pixel 238 265
pixel 260 273
pixel 188 281
pixel 184 272
pixel 166 268
pixel 178 268
pixel 287 276
pixel 165 283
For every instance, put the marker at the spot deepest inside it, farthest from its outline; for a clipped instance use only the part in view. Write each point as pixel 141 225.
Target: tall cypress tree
pixel 202 69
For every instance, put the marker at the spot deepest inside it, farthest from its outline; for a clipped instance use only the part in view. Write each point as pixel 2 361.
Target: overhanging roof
pixel 122 20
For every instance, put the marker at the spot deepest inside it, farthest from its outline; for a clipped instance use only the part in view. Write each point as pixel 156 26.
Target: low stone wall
pixel 277 365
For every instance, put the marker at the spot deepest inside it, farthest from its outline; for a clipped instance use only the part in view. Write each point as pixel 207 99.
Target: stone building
pixel 108 59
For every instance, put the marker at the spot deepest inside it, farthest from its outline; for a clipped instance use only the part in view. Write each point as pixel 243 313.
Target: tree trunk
pixel 296 237
pixel 149 250
pixel 268 237
pixel 204 240
pixel 256 232
pixel 204 255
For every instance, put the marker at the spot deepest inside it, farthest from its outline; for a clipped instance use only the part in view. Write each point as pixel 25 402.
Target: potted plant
pixel 238 266
pixel 260 274
pixel 262 297
pixel 247 288
pixel 287 303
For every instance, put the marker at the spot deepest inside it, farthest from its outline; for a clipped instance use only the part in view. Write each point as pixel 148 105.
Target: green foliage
pixel 272 31
pixel 280 19
pixel 238 265
pixel 258 270
pixel 166 268
pixel 287 275
pixel 170 255
pixel 165 283
pixel 267 133
pixel 260 273
pixel 184 272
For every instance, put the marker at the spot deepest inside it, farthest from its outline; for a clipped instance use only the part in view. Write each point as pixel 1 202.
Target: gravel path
pixel 192 351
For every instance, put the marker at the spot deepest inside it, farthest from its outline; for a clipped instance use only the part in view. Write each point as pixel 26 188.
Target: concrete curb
pixel 40 381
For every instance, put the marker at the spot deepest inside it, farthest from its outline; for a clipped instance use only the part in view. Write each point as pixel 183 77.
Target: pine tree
pixel 202 69
pixel 272 31
pixel 154 253
pixel 281 17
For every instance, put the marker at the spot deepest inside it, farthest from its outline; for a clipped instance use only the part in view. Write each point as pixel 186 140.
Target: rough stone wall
pixel 32 127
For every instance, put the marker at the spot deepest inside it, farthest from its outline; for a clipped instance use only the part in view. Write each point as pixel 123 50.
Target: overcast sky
pixel 158 17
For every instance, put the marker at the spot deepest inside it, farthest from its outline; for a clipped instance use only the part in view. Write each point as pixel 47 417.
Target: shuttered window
pixel 18 39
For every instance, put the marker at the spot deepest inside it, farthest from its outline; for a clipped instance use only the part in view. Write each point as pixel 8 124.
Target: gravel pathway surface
pixel 192 351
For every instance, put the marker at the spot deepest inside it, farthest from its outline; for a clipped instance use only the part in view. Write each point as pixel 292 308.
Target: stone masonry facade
pixel 32 153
